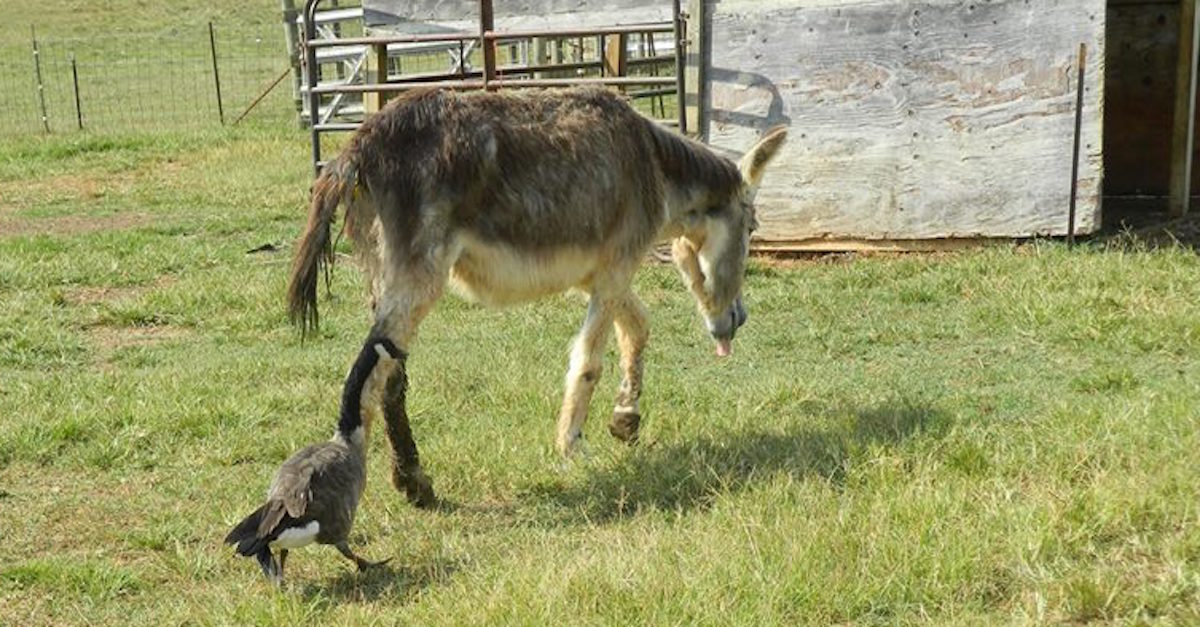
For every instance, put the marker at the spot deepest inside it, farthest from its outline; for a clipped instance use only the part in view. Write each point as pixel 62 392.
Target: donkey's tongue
pixel 724 348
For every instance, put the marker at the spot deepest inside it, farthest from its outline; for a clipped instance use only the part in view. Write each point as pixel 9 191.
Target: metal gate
pixel 609 42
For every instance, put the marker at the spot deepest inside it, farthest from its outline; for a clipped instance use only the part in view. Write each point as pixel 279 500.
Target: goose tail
pixel 245 535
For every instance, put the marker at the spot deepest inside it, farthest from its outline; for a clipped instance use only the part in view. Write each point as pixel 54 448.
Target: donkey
pixel 510 196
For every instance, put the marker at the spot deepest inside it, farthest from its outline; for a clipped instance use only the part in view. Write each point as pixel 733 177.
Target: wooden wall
pixel 910 120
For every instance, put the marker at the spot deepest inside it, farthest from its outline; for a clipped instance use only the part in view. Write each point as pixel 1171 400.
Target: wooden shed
pixel 915 123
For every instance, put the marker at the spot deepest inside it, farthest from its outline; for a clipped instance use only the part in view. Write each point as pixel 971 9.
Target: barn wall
pixel 911 120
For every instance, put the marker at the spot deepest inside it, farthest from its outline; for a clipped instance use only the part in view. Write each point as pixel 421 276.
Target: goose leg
pixel 269 566
pixel 362 564
pixel 282 558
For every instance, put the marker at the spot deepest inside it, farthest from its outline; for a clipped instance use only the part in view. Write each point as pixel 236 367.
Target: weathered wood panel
pixel 933 119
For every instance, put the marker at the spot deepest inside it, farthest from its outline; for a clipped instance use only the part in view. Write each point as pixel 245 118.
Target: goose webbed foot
pixel 362 564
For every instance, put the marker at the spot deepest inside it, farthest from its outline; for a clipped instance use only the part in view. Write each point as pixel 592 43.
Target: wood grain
pixel 911 120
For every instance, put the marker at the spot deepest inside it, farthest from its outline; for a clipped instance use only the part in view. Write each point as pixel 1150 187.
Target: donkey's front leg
pixel 407 473
pixel 631 321
pixel 583 373
pixel 406 296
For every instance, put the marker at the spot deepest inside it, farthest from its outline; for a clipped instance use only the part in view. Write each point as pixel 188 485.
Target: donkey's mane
pixel 687 162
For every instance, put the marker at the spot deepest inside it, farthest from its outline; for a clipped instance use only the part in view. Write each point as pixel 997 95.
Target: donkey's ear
pixel 754 163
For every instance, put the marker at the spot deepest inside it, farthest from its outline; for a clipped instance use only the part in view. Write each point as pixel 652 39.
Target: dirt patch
pixel 59 509
pixel 797 260
pixel 1183 231
pixel 107 340
pixel 94 295
pixel 17 193
pixel 11 226
pixel 97 294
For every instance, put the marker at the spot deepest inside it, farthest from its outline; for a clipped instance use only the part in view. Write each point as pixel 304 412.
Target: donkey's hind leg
pixel 631 322
pixel 407 294
pixel 583 373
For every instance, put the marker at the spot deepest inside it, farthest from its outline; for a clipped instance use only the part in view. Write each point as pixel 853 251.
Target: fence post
pixel 376 74
pixel 291 34
pixel 212 47
pixel 37 71
pixel 487 23
pixel 699 59
pixel 75 82
pixel 680 64
pixel 615 54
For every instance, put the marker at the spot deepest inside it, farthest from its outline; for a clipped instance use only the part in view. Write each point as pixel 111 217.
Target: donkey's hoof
pixel 417 488
pixel 420 493
pixel 624 426
pixel 570 444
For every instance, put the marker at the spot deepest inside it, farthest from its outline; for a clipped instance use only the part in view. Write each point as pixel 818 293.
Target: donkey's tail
pixel 315 252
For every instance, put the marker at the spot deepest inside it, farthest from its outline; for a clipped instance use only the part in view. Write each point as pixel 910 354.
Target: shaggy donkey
pixel 515 195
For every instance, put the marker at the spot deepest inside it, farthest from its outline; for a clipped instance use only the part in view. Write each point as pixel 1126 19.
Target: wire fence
pixel 202 75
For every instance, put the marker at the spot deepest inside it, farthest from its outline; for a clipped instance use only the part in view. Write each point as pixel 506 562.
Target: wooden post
pixel 681 47
pixel 699 55
pixel 541 54
pixel 616 57
pixel 291 35
pixel 1183 135
pixel 488 47
pixel 376 74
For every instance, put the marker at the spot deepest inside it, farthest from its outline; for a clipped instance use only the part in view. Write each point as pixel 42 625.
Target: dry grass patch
pixel 12 226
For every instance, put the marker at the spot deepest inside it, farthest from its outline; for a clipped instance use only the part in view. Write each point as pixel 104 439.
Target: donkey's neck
pixel 695 175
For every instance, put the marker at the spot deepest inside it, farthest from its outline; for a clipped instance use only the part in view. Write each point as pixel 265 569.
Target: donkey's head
pixel 711 252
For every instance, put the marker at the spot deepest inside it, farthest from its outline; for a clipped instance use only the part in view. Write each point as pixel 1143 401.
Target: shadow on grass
pixel 690 475
pixel 384 581
pixel 1145 224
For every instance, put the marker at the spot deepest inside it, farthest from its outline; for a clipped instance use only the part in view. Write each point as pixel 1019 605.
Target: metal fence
pixel 201 75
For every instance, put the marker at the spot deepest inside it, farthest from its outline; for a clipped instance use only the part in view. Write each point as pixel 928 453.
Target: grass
pixel 1004 435
pixel 1001 435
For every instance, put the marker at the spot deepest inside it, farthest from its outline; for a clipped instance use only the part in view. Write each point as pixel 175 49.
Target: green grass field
pixel 1002 435
pixel 1006 435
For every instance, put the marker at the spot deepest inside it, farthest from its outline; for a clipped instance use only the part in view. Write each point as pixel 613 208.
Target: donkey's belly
pixel 496 274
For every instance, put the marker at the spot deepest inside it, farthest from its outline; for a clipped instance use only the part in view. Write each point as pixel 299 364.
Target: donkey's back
pixel 535 170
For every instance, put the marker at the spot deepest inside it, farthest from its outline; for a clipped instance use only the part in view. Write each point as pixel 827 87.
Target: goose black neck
pixel 352 393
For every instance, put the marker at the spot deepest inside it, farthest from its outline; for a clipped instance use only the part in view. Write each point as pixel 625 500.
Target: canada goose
pixel 314 495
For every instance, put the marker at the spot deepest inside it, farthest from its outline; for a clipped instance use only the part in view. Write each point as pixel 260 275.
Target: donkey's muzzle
pixel 724 327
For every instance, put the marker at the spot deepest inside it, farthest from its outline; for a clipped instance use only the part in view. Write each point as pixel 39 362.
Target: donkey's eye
pixel 713 211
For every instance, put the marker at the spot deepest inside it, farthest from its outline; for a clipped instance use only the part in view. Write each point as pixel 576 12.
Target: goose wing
pixel 291 491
